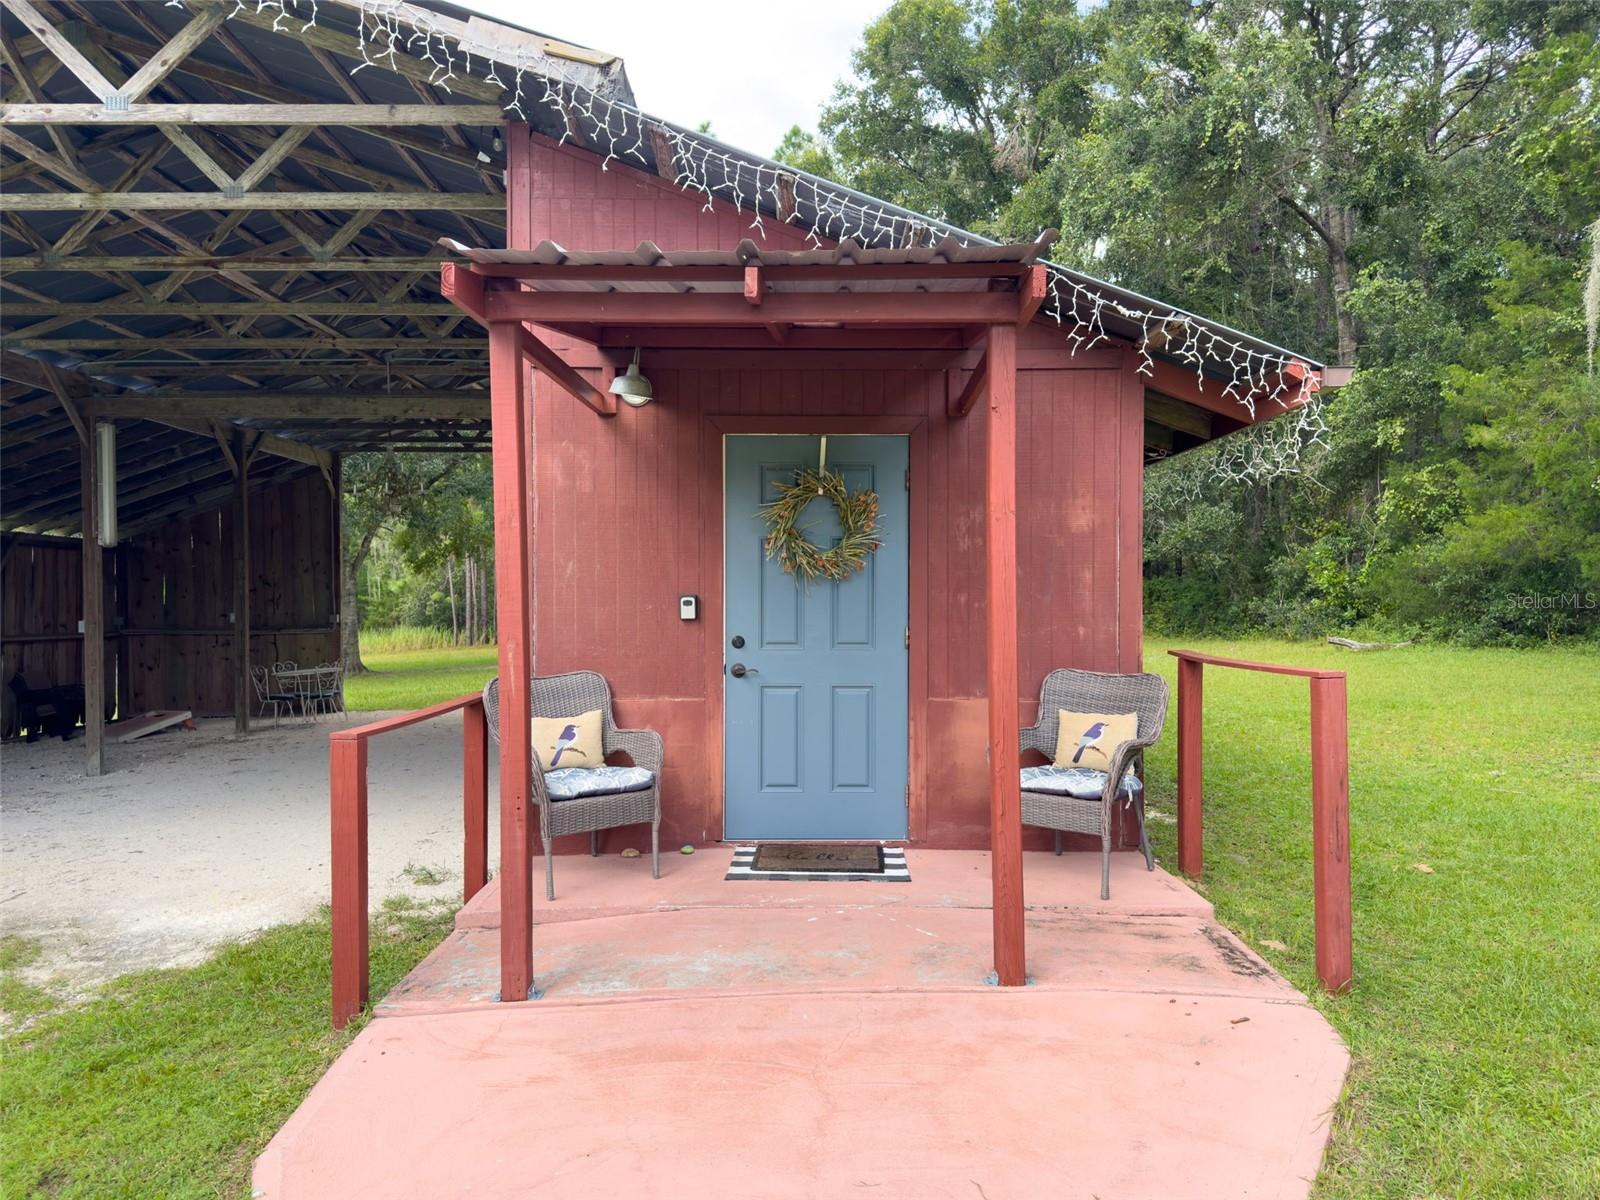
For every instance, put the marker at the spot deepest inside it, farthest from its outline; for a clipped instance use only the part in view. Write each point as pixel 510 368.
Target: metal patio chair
pixel 261 679
pixel 1079 799
pixel 570 695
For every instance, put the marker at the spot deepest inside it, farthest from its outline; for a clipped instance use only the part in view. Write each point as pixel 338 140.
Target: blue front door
pixel 815 727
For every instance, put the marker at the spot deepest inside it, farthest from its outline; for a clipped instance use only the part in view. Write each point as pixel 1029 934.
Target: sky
pixel 752 69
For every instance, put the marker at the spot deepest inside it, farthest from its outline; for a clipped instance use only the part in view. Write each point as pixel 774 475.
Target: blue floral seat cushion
pixel 1079 782
pixel 573 783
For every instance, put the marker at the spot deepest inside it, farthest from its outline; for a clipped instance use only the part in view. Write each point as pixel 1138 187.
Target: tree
pixel 958 105
pixel 380 491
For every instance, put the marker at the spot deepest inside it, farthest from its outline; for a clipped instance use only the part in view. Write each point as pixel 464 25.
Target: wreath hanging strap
pixel 787 541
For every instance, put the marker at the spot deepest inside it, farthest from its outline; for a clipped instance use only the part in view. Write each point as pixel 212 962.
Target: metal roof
pixel 104 318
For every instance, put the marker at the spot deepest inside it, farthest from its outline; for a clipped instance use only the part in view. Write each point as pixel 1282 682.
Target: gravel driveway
pixel 198 837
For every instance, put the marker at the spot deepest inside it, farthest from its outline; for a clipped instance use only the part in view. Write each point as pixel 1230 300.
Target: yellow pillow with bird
pixel 1090 739
pixel 561 742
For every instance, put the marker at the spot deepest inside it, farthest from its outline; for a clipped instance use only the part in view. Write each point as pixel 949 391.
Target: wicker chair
pixel 1091 691
pixel 567 696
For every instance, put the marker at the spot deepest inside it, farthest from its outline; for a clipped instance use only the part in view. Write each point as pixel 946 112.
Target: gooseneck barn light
pixel 633 387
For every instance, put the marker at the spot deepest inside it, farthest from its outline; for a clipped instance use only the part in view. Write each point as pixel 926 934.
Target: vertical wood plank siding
pixel 628 512
pixel 172 588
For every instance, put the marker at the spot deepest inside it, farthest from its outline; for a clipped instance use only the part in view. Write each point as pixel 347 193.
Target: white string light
pixel 387 29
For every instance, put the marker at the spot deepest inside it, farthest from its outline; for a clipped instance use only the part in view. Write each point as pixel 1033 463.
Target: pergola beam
pixel 828 309
pixel 247 114
pixel 467 291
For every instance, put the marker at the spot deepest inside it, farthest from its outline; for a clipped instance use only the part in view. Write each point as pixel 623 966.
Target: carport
pixel 218 250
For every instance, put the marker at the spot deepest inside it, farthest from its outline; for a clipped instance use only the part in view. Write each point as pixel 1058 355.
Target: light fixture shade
pixel 633 387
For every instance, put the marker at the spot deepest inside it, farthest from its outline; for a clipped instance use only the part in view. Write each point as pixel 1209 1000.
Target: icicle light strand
pixel 388 29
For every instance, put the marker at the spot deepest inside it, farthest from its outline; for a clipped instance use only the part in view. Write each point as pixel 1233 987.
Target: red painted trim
pixel 465 289
pixel 474 800
pixel 719 308
pixel 565 377
pixel 773 273
pixel 1330 799
pixel 1005 798
pixel 715 428
pixel 347 804
pixel 360 733
pixel 721 340
pixel 513 573
pixel 347 787
pixel 752 286
pixel 1191 735
pixel 1181 383
pixel 1246 665
pixel 977 382
pixel 1330 830
pixel 1130 519
pixel 1035 286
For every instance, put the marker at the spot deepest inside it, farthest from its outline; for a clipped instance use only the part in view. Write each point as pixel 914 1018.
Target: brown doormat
pixel 796 856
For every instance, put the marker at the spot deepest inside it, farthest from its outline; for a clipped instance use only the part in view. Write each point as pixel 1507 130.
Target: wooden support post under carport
pixel 94 611
pixel 239 454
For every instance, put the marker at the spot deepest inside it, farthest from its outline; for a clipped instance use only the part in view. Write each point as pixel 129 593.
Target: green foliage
pixel 171 1082
pixel 1472 1023
pixel 401 680
pixel 1401 185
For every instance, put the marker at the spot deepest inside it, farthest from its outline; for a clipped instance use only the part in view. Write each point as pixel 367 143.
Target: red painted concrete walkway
pixel 701 1037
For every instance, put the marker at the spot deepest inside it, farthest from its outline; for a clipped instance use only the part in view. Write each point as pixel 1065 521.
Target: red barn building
pixel 634 509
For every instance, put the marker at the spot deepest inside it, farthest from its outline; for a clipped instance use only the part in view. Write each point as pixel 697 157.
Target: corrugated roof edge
pixel 1170 311
pixel 608 92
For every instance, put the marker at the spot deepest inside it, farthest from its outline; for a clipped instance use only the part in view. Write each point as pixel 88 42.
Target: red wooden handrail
pixel 347 771
pixel 1330 798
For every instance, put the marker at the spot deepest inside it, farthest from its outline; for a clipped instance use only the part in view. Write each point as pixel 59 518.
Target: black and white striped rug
pixel 894 870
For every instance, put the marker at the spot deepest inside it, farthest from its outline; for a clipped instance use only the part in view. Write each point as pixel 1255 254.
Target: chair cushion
pixel 1089 739
pixel 572 783
pixel 561 742
pixel 1078 782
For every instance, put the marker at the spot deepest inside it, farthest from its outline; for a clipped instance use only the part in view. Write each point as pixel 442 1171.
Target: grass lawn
pixel 1475 1018
pixel 1474 1021
pixel 171 1082
pixel 417 678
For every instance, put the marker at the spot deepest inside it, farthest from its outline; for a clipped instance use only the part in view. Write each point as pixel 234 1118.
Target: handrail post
pixel 347 760
pixel 474 800
pixel 1191 725
pixel 1330 830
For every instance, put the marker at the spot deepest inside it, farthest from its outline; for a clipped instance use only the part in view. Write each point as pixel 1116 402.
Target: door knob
pixel 739 671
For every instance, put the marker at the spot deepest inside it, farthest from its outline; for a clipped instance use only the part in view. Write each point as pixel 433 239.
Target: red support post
pixel 1191 724
pixel 513 575
pixel 1330 830
pixel 1005 794
pixel 474 800
pixel 347 769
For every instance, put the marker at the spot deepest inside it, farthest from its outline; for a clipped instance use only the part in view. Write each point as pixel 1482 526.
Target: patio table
pixel 305 684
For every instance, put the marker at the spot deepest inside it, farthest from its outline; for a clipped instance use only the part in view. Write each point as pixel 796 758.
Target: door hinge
pixel 908 637
pixel 908 479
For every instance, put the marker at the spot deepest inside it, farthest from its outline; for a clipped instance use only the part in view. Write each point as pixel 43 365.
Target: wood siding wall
pixel 169 600
pixel 628 512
